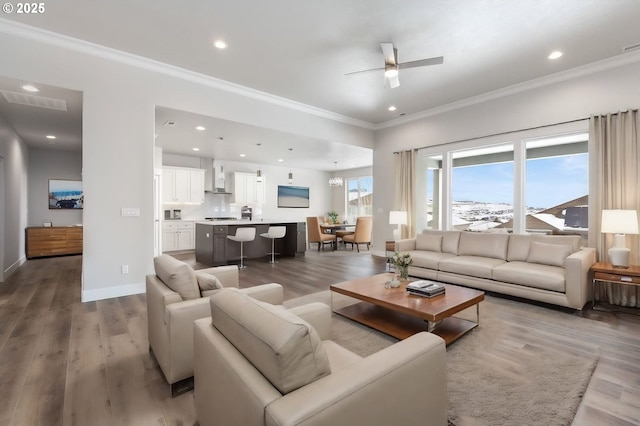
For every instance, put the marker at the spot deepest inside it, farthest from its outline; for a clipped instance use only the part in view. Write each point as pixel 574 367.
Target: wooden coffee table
pixel 399 314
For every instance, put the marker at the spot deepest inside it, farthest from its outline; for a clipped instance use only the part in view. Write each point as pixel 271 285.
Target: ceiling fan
pixel 392 67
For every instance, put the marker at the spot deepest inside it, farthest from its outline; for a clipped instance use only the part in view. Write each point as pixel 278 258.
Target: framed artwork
pixel 293 196
pixel 65 194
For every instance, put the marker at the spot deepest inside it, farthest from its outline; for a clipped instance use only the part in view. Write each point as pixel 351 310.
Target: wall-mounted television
pixel 293 196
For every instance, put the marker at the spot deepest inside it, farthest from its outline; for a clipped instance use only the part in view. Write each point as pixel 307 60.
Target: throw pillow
pixel 285 349
pixel 178 276
pixel 429 242
pixel 548 254
pixel 207 281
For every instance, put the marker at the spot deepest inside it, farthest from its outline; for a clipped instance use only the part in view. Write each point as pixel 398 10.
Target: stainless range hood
pixel 214 179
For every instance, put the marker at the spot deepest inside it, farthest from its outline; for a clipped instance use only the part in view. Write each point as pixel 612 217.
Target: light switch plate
pixel 130 211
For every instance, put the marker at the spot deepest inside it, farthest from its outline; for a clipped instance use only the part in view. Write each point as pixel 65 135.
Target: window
pixel 482 188
pixel 359 197
pixel 557 185
pixel 531 183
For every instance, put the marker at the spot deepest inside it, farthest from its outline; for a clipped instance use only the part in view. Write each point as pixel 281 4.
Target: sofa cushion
pixel 474 266
pixel 545 277
pixel 548 254
pixel 284 348
pixel 575 241
pixel 482 244
pixel 428 259
pixel 450 239
pixel 178 276
pixel 429 242
pixel 207 281
pixel 518 250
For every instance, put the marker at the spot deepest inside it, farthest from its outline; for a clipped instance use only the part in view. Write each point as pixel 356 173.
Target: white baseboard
pixel 11 269
pixel 111 292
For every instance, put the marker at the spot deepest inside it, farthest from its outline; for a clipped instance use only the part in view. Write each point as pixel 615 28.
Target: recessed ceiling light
pixel 195 149
pixel 555 55
pixel 392 108
pixel 243 155
pixel 30 88
pixel 280 160
pixel 201 128
pixel 220 44
pixel 50 137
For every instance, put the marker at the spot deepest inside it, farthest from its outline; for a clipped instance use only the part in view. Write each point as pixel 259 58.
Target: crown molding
pixel 40 35
pixel 592 68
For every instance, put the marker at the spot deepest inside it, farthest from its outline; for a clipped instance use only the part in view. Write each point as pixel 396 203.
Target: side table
pixel 606 272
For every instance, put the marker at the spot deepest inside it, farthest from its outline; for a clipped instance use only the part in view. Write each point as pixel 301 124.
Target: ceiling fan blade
pixel 394 82
pixel 363 71
pixel 390 54
pixel 422 62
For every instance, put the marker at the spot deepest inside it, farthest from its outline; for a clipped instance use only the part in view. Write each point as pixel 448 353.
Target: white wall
pixel 610 90
pixel 14 180
pixel 51 164
pixel 118 139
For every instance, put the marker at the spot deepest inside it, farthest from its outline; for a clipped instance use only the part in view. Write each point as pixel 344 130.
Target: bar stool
pixel 274 232
pixel 243 235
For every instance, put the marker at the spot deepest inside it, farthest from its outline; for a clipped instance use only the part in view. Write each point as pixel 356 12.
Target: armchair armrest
pixel 405 384
pixel 318 315
pixel 271 293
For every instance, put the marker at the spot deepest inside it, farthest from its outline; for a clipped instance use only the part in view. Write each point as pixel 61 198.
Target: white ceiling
pixel 301 50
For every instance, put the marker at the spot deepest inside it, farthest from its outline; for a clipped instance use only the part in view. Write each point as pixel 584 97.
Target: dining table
pixel 331 228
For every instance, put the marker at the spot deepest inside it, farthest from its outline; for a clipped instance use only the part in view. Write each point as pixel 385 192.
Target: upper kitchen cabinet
pixel 247 188
pixel 182 185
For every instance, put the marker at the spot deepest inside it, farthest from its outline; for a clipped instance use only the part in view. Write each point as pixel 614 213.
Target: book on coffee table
pixel 426 288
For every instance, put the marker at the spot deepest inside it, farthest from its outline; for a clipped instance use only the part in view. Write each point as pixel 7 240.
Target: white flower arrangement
pixel 401 260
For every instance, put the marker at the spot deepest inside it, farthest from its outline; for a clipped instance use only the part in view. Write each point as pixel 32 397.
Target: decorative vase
pixel 404 272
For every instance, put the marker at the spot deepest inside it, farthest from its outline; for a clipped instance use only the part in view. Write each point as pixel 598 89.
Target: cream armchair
pixel 176 296
pixel 256 364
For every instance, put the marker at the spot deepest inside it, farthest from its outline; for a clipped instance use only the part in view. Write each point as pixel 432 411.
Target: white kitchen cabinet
pixel 247 188
pixel 182 185
pixel 178 235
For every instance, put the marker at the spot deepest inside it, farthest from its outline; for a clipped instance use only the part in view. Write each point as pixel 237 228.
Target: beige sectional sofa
pixel 547 268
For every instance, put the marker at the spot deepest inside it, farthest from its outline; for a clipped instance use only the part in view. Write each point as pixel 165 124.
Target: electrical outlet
pixel 124 269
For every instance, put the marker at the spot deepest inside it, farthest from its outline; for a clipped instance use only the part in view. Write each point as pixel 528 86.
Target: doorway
pixel 2 184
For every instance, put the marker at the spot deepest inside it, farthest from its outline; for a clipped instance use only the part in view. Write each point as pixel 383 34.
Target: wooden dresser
pixel 53 241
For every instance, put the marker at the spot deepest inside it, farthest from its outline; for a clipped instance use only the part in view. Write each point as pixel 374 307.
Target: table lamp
pixel 619 222
pixel 397 218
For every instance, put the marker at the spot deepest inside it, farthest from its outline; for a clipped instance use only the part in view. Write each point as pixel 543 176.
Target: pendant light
pixel 259 172
pixel 290 174
pixel 335 180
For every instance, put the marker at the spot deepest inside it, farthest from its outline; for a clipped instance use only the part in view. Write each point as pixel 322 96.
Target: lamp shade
pixel 619 222
pixel 397 217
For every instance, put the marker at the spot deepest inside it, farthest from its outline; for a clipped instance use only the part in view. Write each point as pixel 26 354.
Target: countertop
pixel 245 222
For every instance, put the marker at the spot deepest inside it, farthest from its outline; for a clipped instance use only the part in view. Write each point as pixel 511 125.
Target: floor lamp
pixel 399 218
pixel 619 222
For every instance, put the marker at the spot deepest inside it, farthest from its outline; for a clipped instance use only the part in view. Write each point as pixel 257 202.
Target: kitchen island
pixel 213 248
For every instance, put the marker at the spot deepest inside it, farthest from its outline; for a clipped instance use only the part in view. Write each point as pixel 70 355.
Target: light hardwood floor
pixel 72 363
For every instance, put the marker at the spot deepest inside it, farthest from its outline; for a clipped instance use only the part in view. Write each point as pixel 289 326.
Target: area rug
pixel 523 365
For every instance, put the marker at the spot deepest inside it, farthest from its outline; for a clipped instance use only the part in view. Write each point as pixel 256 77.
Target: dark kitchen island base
pixel 213 248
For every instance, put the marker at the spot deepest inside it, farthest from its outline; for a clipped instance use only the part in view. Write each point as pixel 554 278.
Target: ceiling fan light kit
pixel 392 67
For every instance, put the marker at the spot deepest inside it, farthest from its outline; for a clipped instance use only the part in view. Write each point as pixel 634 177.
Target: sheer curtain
pixel 614 161
pixel 405 187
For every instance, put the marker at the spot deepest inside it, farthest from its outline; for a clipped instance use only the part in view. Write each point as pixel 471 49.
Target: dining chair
pixel 362 233
pixel 316 235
